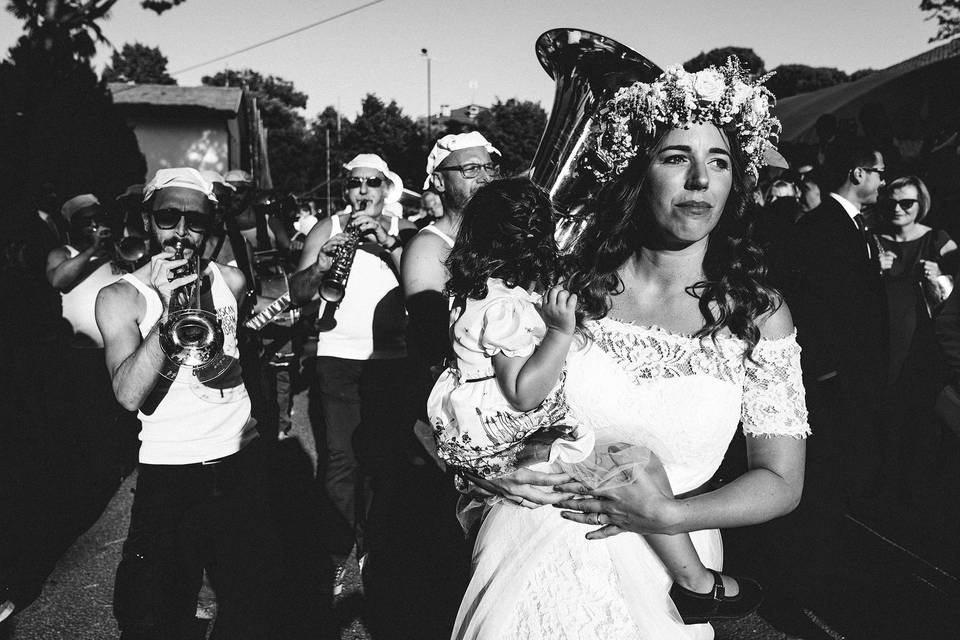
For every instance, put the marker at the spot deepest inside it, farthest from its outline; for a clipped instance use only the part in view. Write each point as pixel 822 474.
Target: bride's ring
pixel 597 518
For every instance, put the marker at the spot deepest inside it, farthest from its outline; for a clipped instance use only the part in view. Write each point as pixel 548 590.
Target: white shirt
pixel 849 207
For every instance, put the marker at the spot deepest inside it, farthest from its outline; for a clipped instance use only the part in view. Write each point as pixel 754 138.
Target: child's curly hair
pixel 506 233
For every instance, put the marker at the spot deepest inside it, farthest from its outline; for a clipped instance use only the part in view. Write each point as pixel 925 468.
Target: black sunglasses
pixel 879 172
pixel 354 182
pixel 904 203
pixel 169 218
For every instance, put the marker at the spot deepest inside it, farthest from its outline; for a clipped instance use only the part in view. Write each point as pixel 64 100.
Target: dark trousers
pixel 187 518
pixel 367 420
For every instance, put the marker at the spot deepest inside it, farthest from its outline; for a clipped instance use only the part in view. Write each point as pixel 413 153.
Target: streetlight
pixel 424 53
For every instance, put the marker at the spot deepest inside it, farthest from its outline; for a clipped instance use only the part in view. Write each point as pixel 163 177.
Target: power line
pixel 280 37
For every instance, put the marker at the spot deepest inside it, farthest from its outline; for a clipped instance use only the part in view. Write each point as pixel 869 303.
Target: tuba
pixel 191 337
pixel 589 69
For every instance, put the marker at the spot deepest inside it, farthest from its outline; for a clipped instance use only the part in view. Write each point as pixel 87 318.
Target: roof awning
pixel 799 113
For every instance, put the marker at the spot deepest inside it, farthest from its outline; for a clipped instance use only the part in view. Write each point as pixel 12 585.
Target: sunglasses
pixel 879 172
pixel 169 218
pixel 354 182
pixel 905 204
pixel 472 170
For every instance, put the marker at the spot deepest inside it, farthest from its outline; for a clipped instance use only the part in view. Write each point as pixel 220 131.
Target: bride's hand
pixel 524 487
pixel 645 505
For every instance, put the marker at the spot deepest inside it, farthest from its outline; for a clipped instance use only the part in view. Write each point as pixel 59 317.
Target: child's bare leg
pixel 683 564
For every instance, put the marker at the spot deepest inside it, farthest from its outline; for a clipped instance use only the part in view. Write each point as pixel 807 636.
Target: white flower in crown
pixel 709 85
pixel 725 96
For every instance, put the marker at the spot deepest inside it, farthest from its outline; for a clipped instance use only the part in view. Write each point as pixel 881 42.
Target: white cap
pixel 76 203
pixel 375 162
pixel 185 177
pixel 213 177
pixel 454 142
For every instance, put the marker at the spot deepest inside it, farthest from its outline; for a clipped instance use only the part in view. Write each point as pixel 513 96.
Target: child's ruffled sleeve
pixel 511 326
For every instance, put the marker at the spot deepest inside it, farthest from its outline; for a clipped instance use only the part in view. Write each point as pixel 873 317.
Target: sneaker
pixel 6 609
pixel 339 578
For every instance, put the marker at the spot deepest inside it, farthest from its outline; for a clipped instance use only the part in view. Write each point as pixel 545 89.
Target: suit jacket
pixel 837 297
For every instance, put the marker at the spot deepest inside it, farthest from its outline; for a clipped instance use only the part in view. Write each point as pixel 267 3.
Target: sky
pixel 482 51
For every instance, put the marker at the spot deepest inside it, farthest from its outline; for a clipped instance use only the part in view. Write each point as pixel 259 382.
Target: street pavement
pixel 76 602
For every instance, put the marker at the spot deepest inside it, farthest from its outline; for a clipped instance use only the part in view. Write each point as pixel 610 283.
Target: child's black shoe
pixel 696 608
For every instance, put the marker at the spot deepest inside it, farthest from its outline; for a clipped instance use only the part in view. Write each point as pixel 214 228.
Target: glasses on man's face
pixel 354 182
pixel 875 170
pixel 905 204
pixel 472 170
pixel 169 218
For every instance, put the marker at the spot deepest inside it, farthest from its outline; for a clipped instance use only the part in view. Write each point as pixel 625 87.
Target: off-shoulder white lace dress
pixel 536 576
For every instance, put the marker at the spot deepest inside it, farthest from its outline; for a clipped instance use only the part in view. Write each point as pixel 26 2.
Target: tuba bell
pixel 192 337
pixel 589 69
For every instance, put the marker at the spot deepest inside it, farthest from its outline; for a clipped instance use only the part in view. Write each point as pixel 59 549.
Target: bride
pixel 682 342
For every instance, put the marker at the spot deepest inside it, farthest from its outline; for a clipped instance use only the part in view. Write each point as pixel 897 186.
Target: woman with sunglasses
pixel 912 258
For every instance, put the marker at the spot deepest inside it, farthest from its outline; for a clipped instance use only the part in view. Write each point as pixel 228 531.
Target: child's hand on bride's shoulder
pixel 559 310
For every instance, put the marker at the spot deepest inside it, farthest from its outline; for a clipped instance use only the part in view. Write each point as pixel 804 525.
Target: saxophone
pixel 333 286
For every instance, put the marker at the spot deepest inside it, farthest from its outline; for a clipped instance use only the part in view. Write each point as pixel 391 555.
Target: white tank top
pixel 371 319
pixel 432 228
pixel 185 421
pixel 79 304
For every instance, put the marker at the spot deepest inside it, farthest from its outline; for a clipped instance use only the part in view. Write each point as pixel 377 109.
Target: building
pixel 215 128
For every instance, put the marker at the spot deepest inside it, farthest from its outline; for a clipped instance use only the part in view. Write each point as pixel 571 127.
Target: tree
pixel 791 79
pixel 947 15
pixel 159 6
pixel 138 63
pixel 718 57
pixel 385 130
pixel 860 73
pixel 277 98
pixel 515 128
pixel 84 148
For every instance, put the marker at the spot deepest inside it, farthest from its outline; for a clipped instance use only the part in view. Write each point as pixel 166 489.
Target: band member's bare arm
pixel 64 272
pixel 134 363
pixel 314 263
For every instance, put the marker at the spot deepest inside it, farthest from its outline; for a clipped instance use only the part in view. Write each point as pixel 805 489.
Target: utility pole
pixel 326 132
pixel 426 54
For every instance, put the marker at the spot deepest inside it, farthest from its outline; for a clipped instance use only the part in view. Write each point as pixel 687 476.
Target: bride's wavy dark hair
pixel 507 233
pixel 733 295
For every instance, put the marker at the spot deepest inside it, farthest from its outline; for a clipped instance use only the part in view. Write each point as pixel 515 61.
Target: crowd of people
pixel 468 375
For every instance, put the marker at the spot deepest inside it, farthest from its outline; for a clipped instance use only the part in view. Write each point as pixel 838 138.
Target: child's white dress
pixel 475 426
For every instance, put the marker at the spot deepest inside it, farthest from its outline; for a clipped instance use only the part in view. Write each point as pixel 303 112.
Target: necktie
pixel 862 228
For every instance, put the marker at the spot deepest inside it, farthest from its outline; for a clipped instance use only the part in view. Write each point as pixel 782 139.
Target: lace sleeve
pixel 773 400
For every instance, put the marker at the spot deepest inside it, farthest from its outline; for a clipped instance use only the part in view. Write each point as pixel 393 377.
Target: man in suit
pixel 840 308
pixel 831 280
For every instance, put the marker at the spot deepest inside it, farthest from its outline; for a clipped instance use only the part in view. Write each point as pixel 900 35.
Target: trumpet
pixel 129 249
pixel 192 337
pixel 334 283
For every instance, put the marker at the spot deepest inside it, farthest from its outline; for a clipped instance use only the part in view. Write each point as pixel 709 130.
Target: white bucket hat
pixel 185 177
pixel 375 162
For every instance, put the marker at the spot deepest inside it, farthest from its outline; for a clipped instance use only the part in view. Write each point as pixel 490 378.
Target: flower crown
pixel 723 96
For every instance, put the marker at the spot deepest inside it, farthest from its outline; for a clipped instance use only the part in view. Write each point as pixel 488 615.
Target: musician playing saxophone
pixel 361 363
pixel 200 501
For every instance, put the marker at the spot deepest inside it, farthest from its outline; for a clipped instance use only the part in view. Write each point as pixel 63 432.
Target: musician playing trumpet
pixel 200 500
pixel 361 363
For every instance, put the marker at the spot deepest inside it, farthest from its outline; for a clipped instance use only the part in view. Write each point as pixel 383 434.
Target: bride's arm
pixel 770 488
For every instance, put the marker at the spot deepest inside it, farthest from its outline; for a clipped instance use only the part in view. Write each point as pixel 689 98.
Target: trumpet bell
pixel 193 338
pixel 132 249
